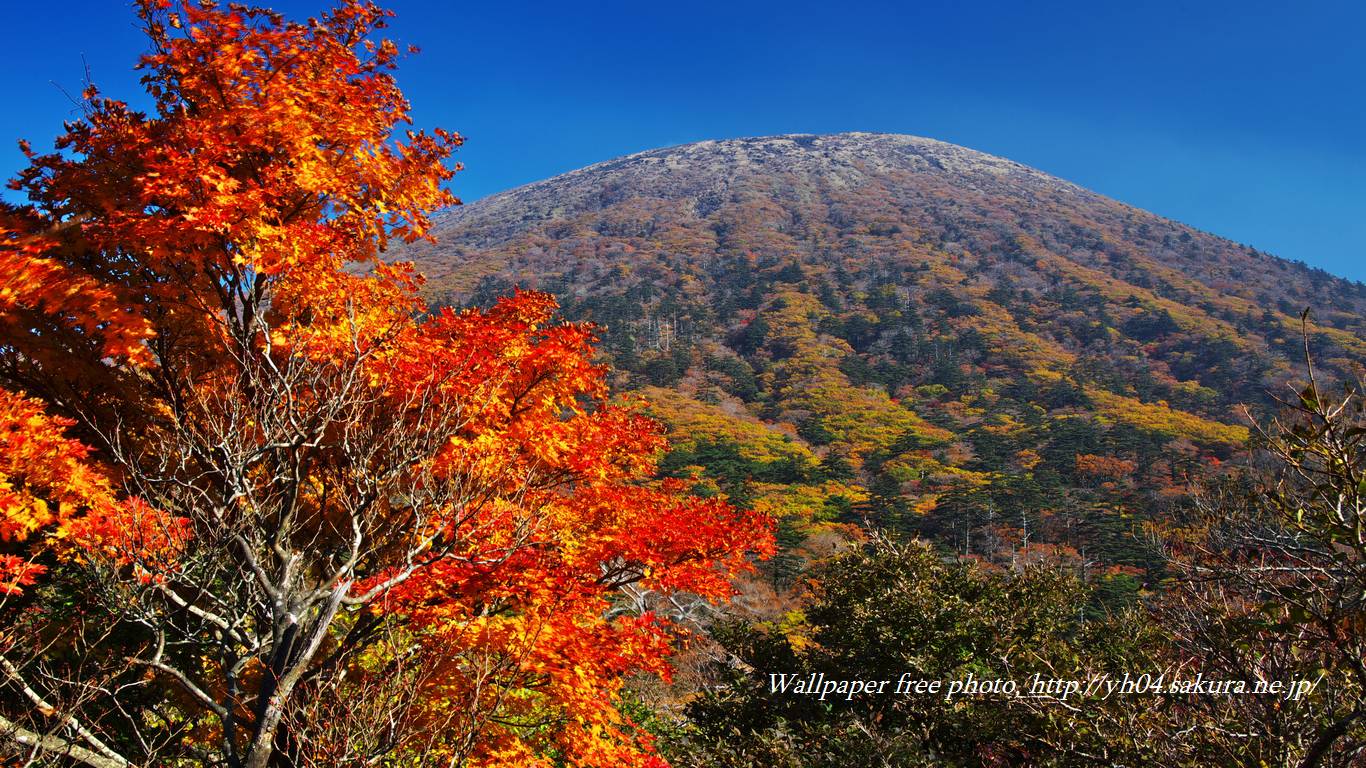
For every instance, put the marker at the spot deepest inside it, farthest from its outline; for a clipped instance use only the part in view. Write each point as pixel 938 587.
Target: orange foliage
pixel 202 288
pixel 43 478
pixel 1105 466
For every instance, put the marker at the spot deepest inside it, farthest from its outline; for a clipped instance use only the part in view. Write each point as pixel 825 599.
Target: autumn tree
pixel 1270 584
pixel 897 610
pixel 260 506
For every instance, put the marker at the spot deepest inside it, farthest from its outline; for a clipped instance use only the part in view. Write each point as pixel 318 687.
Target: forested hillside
pixel 888 329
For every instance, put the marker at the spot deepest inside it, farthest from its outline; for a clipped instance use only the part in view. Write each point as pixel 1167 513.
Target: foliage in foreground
pixel 1268 579
pixel 259 505
pixel 1271 584
pixel 901 611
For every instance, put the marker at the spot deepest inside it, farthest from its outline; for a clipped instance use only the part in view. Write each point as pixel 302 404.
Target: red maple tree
pixel 260 505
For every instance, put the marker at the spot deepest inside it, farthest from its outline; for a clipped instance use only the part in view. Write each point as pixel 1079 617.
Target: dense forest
pixel 890 331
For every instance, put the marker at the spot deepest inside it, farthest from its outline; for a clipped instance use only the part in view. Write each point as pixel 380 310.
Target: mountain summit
pixel 924 181
pixel 913 329
pixel 707 173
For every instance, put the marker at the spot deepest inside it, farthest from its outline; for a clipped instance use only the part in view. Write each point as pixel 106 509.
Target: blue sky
pixel 1246 119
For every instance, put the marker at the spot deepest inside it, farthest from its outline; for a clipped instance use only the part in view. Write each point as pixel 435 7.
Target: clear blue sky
pixel 1244 118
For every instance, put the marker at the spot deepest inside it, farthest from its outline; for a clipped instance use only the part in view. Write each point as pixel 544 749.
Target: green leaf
pixel 1309 398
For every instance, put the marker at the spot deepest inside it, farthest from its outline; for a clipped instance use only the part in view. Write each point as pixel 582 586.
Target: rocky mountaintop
pixel 705 179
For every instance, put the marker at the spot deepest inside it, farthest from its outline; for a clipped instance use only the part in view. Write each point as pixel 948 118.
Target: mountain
pixel 895 329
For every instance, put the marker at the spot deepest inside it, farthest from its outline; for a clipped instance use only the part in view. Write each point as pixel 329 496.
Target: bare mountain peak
pixel 866 201
pixel 709 173
pixel 819 153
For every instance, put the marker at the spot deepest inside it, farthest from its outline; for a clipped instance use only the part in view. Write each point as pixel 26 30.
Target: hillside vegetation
pixel 896 330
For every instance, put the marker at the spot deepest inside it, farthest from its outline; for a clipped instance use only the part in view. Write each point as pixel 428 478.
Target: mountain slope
pixel 898 328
